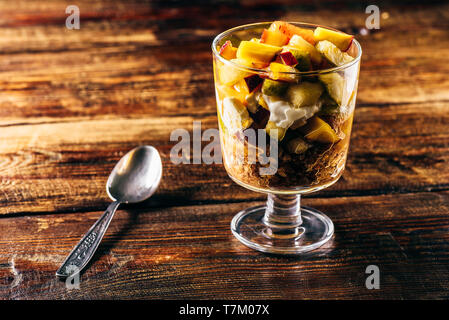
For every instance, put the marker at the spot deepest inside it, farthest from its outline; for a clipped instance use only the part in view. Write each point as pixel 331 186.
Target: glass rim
pixel 264 71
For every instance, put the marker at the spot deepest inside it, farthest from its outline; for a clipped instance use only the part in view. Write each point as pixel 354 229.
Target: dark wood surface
pixel 72 102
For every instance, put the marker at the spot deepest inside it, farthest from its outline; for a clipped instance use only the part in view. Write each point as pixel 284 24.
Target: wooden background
pixel 72 102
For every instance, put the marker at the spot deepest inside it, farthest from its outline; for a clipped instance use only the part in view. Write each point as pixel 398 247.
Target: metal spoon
pixel 134 178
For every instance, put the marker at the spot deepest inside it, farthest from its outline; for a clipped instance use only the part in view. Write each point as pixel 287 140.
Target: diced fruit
pixel 298 42
pixel 260 118
pixel 341 40
pixel 274 131
pixel 235 115
pixel 227 51
pixel 275 38
pixel 288 58
pixel 333 54
pixel 301 56
pixel 282 72
pixel 335 85
pixel 318 130
pixel 328 106
pixel 304 94
pixel 262 103
pixel 251 101
pixel 297 145
pixel 274 88
pixel 241 87
pixel 229 75
pixel 257 53
pixel 290 30
pixel 253 82
pixel 229 91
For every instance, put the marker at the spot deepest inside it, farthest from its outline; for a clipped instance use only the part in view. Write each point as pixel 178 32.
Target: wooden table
pixel 72 102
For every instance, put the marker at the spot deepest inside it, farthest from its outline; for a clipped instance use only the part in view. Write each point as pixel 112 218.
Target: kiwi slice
pixel 274 88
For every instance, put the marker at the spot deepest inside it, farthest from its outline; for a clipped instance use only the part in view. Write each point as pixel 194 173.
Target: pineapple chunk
pixel 274 131
pixel 227 91
pixel 262 103
pixel 304 94
pixel 230 75
pixel 282 72
pixel 318 130
pixel 259 54
pixel 297 145
pixel 275 38
pixel 298 42
pixel 332 53
pixel 273 88
pixel 341 40
pixel 290 30
pixel 241 87
pixel 335 86
pixel 235 115
pixel 227 51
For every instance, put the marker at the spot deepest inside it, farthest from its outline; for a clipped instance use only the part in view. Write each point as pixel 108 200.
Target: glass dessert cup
pixel 263 154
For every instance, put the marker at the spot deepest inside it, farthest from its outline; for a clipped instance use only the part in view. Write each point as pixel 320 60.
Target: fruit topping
pixel 252 101
pixel 262 103
pixel 288 58
pixel 253 82
pixel 304 94
pixel 335 86
pixel 274 88
pixel 260 118
pixel 235 115
pixel 282 72
pixel 298 42
pixel 258 54
pixel 227 51
pixel 332 53
pixel 290 30
pixel 301 56
pixel 275 38
pixel 274 131
pixel 328 105
pixel 316 129
pixel 342 40
pixel 229 75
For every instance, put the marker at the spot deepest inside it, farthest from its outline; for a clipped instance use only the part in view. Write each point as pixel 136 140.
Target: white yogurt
pixel 284 115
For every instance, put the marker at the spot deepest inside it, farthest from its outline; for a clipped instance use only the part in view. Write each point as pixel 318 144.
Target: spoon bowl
pixel 136 176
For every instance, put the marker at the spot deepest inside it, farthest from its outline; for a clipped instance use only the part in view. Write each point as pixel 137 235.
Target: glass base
pixel 251 227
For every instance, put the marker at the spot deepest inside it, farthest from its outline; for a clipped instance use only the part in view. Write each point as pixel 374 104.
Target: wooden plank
pixel 189 252
pixel 135 65
pixel 63 166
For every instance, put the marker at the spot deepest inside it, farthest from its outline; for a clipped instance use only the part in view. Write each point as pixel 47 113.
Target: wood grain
pixel 394 148
pixel 189 252
pixel 72 102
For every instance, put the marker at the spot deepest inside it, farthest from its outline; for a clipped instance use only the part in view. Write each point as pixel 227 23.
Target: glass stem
pixel 283 214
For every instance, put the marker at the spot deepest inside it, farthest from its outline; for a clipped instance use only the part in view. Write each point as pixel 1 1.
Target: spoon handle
pixel 85 249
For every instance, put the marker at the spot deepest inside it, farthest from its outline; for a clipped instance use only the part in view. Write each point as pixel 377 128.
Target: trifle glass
pixel 285 102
